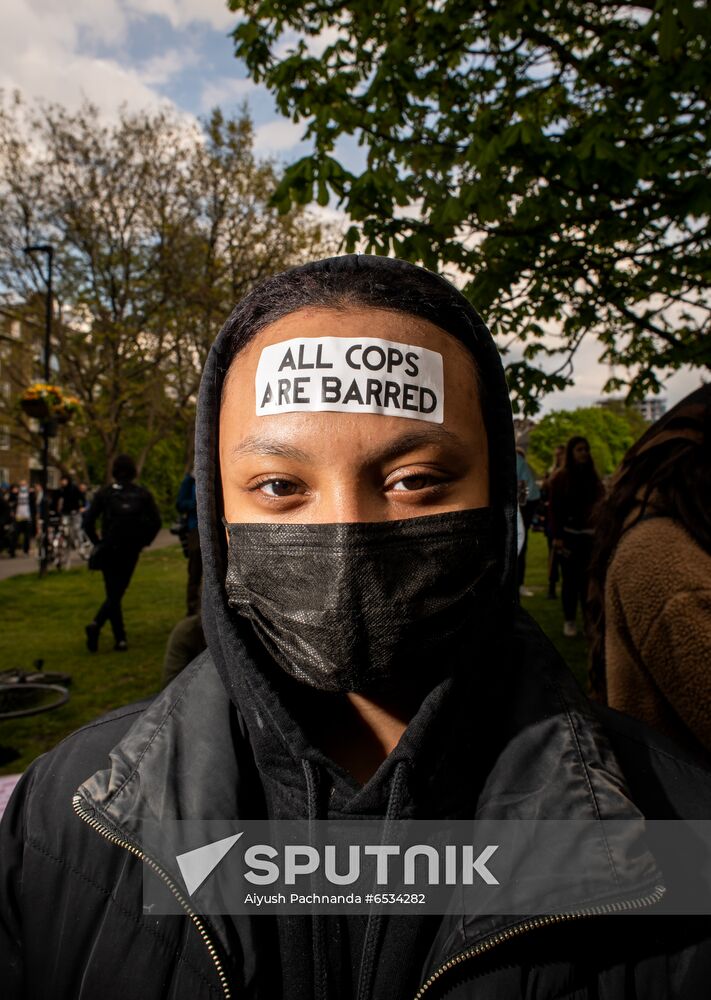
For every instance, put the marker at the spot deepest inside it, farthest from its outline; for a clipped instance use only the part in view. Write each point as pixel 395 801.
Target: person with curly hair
pixel 651 579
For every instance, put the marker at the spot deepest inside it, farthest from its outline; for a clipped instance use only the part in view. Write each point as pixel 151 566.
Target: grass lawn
pixel 45 619
pixel 549 614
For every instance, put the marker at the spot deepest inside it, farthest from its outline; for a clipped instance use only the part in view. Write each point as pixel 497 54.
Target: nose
pixel 349 501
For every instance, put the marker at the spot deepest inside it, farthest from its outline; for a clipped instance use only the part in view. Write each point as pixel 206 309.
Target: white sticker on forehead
pixel 350 375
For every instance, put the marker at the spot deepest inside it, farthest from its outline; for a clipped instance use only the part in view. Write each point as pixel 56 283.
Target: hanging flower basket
pixel 36 408
pixel 48 402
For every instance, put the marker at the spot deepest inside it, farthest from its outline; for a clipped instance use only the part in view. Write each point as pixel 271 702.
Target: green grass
pixel 549 614
pixel 45 619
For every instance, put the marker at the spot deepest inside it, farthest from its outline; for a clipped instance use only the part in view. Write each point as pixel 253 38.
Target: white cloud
pixel 277 136
pixel 161 69
pixel 181 13
pixel 101 20
pixel 40 54
pixel 226 90
pixel 46 48
pixel 78 78
pixel 315 44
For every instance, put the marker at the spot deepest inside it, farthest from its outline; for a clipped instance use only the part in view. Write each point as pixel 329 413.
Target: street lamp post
pixel 48 250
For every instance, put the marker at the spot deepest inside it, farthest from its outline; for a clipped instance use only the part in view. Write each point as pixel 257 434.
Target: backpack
pixel 130 516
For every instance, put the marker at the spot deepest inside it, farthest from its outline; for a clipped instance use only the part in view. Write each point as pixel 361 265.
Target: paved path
pixel 28 564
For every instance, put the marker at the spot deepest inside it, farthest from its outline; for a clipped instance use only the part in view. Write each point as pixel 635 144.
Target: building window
pixel 4 475
pixel 4 438
pixel 15 329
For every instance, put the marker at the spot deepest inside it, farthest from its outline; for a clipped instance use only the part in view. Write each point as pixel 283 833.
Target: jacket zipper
pixel 537 922
pixel 85 815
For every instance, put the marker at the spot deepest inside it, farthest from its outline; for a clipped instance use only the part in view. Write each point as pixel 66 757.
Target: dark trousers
pixel 117 576
pixel 23 528
pixel 574 565
pixel 194 571
pixel 553 566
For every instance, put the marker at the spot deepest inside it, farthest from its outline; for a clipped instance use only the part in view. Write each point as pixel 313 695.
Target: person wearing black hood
pixel 366 658
pixel 574 495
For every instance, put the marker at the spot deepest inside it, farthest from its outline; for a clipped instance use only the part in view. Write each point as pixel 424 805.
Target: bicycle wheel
pixel 42 554
pixel 83 546
pixel 54 553
pixel 67 551
pixel 19 700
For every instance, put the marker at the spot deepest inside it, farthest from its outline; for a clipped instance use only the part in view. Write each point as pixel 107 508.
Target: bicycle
pixel 65 537
pixel 79 541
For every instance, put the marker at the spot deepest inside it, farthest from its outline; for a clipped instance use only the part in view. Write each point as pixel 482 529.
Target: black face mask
pixel 363 606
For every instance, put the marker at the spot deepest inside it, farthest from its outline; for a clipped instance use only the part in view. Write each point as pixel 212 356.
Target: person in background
pixel 6 526
pixel 553 561
pixel 187 505
pixel 129 521
pixel 575 493
pixel 22 505
pixel 83 497
pixel 529 497
pixel 69 500
pixel 558 461
pixel 651 579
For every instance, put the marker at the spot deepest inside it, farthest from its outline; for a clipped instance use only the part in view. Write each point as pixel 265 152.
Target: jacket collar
pixel 522 743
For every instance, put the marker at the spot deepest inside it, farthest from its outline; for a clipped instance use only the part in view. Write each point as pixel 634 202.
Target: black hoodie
pixel 506 735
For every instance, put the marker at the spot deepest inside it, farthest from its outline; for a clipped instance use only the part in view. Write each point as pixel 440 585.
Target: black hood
pixel 506 736
pixel 229 638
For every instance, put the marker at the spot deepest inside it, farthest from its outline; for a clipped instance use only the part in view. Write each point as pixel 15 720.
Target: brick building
pixel 21 362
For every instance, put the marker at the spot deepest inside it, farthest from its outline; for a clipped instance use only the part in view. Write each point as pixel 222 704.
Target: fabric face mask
pixel 361 606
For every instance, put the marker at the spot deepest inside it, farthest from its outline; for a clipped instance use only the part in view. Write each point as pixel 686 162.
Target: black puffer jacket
pixel 72 919
pixel 506 735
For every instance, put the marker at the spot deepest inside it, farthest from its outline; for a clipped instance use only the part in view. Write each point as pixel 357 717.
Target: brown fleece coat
pixel 658 631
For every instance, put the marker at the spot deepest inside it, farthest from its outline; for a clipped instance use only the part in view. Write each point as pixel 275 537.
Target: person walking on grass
pixel 129 521
pixel 553 559
pixel 575 492
pixel 23 514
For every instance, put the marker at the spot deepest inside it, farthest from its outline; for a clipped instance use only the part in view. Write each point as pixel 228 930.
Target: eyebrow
pixel 263 444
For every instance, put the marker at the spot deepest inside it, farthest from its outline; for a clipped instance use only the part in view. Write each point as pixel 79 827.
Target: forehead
pixel 357 322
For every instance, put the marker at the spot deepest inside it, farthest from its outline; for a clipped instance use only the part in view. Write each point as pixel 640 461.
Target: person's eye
pixel 277 489
pixel 421 481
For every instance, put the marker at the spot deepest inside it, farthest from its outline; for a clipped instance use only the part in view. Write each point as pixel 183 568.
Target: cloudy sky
pixel 141 52
pixel 144 52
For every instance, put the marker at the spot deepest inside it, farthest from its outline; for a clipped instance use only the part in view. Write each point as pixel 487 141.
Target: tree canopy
pixel 552 156
pixel 159 227
pixel 610 431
